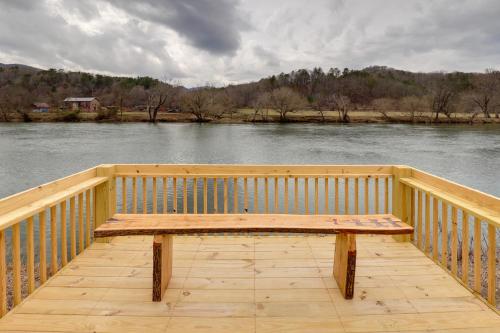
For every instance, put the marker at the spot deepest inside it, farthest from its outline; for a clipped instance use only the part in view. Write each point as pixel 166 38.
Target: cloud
pixel 42 35
pixel 232 41
pixel 213 26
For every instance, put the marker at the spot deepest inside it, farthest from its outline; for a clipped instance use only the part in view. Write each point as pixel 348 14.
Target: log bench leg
pixel 162 264
pixel 344 264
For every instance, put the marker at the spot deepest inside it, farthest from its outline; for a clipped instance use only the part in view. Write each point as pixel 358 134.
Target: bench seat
pixel 156 224
pixel 164 226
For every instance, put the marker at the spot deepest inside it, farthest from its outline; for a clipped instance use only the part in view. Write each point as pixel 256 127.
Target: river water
pixel 32 154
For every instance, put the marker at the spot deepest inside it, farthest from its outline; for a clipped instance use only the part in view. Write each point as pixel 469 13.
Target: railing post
pixel 104 197
pixel 401 203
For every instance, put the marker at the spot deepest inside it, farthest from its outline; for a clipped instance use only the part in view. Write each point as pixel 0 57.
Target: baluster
pixel 477 254
pixel 30 242
pixel 205 195
pixel 435 230
pixel 174 199
pixel 53 240
pixel 306 195
pixel 346 195
pixel 134 195
pixel 235 195
pixel 327 199
pixel 276 193
pixel 296 195
pixel 155 196
pixel 465 248
pixel 377 195
pixel 336 186
pixel 266 195
pixel 454 240
pixel 492 264
pixel 184 195
pixel 16 261
pixel 225 195
pixel 144 195
pixel 427 223
pixel 124 195
pixel 386 195
pixel 286 195
pixel 216 204
pixel 316 195
pixel 412 211
pixel 420 239
pixel 64 235
pixel 80 223
pixel 245 194
pixel 404 203
pixel 367 195
pixel 3 275
pixel 256 195
pixel 195 195
pixel 165 195
pixel 444 232
pixel 72 226
pixel 87 216
pixel 356 195
pixel 43 247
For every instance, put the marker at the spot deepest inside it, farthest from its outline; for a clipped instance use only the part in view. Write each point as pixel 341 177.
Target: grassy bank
pixel 247 115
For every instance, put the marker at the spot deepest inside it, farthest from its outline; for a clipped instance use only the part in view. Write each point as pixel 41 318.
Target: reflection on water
pixel 31 154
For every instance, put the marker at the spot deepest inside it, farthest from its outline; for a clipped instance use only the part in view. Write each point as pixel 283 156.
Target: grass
pixel 246 115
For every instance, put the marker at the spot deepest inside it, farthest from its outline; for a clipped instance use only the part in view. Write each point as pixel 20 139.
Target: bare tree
pixel 442 101
pixel 261 106
pixel 342 104
pixel 284 101
pixel 156 98
pixel 486 91
pixel 197 102
pixel 384 105
pixel 222 104
pixel 320 103
pixel 413 106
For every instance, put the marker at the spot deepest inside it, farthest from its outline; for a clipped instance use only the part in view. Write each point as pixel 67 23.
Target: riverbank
pixel 247 116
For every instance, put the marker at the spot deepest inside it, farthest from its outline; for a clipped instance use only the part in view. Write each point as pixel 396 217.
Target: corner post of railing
pixel 105 196
pixel 401 198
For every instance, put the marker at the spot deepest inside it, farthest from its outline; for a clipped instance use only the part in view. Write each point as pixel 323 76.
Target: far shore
pixel 247 116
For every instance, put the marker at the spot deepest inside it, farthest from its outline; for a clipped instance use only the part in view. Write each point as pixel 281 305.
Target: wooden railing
pixel 457 227
pixel 253 189
pixel 44 228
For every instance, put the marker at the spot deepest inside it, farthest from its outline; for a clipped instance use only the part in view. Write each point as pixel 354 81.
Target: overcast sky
pixel 194 42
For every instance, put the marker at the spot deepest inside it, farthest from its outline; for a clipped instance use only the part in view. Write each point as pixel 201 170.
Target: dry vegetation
pixel 374 94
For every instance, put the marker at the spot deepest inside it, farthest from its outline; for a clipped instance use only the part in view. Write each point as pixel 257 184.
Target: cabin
pixel 40 107
pixel 86 104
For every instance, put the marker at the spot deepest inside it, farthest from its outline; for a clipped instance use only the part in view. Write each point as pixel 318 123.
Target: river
pixel 32 154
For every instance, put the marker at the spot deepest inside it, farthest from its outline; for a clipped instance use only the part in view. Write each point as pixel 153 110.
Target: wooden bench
pixel 164 226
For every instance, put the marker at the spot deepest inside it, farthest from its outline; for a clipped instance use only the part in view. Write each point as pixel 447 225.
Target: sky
pixel 219 42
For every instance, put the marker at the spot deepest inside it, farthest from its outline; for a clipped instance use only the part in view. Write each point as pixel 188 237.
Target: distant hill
pixel 24 68
pixel 21 85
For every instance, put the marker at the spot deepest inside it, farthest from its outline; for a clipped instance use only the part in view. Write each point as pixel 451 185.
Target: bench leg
pixel 162 264
pixel 344 264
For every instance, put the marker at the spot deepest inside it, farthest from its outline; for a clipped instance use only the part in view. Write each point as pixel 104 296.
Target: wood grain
pixel 344 264
pixel 152 224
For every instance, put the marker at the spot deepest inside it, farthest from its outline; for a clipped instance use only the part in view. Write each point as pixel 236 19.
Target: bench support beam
pixel 344 263
pixel 162 264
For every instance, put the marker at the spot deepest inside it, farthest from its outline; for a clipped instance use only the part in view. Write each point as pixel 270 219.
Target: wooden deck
pixel 251 284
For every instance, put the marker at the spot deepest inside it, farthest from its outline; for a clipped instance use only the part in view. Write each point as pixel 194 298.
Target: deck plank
pixel 262 284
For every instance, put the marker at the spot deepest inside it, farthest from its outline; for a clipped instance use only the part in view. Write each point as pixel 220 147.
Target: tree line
pixel 376 88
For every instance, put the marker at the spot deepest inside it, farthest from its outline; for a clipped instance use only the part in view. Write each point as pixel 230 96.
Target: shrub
pixel 71 116
pixel 110 113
